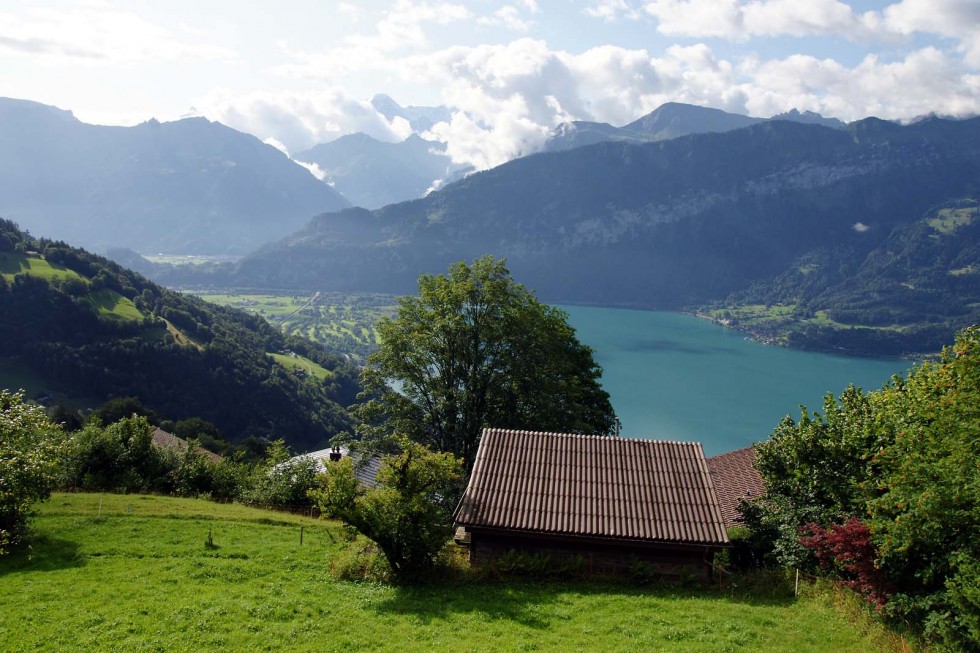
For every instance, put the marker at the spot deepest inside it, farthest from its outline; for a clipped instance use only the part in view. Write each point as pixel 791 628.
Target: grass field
pixel 949 220
pixel 114 306
pixel 296 362
pixel 134 573
pixel 341 322
pixel 13 263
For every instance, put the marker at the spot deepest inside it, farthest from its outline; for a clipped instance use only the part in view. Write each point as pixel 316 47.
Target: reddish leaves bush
pixel 847 551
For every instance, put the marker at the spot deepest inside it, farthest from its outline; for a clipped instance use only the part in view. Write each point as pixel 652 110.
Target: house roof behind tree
pixel 592 486
pixel 365 467
pixel 164 440
pixel 735 478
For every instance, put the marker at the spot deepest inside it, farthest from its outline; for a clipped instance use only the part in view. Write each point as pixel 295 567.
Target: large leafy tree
pixel 474 349
pixel 927 514
pixel 815 470
pixel 30 451
pixel 888 484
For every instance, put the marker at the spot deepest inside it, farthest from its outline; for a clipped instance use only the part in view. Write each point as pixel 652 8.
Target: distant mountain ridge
pixel 190 186
pixel 670 120
pixel 670 224
pixel 421 119
pixel 371 174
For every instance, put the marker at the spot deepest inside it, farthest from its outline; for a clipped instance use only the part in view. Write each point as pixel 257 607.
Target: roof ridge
pixel 593 436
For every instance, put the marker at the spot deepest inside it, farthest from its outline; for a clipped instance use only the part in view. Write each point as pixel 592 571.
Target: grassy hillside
pixel 125 573
pixel 80 329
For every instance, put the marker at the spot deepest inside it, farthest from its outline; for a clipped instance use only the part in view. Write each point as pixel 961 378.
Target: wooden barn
pixel 612 501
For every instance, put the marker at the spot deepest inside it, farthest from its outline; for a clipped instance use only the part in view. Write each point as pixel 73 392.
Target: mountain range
pixel 670 120
pixel 191 186
pixel 371 173
pixel 678 223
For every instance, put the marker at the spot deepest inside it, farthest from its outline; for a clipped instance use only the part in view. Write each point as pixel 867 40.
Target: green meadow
pixel 294 362
pixel 111 572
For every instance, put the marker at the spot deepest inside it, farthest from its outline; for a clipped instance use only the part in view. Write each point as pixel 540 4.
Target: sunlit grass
pixel 13 264
pixel 297 362
pixel 127 573
pixel 111 304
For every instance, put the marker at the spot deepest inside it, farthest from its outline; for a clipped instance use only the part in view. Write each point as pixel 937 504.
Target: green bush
pixel 279 482
pixel 30 451
pixel 360 561
pixel 118 458
pixel 408 515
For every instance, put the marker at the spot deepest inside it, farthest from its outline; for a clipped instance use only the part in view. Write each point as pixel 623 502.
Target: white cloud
pixel 508 16
pixel 399 30
pixel 276 143
pixel 945 17
pixel 300 120
pixel 958 19
pixel 740 20
pixel 860 227
pixel 925 81
pixel 314 169
pixel 699 18
pixel 507 98
pixel 611 10
pixel 96 35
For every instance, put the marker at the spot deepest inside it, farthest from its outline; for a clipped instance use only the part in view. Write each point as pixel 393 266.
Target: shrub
pixel 119 458
pixel 30 450
pixel 279 482
pixel 847 552
pixel 409 514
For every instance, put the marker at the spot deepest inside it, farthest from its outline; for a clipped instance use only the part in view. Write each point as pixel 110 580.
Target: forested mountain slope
pixel 673 224
pixel 89 330
pixel 188 187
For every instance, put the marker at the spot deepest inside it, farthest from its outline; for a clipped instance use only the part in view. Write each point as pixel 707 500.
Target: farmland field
pixel 341 322
pixel 127 572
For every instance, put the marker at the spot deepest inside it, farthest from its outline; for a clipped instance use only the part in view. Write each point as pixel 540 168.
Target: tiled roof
pixel 164 440
pixel 365 468
pixel 734 478
pixel 592 486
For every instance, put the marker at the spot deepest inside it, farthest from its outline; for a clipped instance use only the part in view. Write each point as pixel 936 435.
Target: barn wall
pixel 602 558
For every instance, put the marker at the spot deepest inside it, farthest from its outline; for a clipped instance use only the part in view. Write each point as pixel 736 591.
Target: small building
pixel 735 478
pixel 612 501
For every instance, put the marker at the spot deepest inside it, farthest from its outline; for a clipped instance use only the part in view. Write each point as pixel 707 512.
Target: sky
pixel 295 73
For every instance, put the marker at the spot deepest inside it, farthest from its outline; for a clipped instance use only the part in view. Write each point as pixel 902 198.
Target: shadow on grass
pixel 493 601
pixel 43 553
pixel 761 587
pixel 516 599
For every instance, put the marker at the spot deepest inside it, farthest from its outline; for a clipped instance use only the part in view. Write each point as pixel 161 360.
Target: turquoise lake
pixel 677 377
